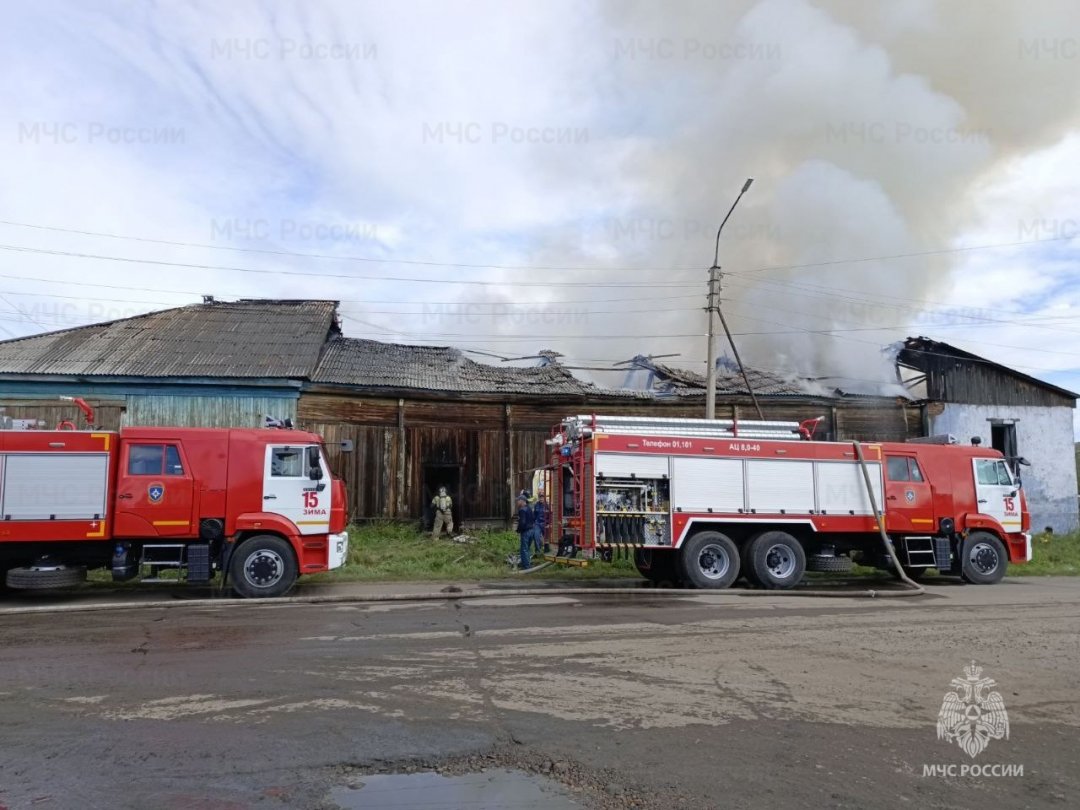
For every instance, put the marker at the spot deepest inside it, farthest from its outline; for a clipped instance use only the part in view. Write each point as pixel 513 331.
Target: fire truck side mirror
pixel 346 445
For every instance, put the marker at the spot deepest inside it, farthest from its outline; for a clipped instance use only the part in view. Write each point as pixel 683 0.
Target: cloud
pixel 608 138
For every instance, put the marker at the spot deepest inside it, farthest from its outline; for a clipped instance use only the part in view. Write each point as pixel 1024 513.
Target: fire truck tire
pixel 263 566
pixel 829 564
pixel 777 560
pixel 30 579
pixel 983 559
pixel 708 560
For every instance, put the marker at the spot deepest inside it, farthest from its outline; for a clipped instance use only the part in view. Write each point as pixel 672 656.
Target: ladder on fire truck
pixel 578 427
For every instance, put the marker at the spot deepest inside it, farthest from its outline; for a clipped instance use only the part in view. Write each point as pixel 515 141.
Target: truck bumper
pixel 338 550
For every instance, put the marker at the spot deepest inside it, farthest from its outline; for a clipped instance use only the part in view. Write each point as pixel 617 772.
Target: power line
pixel 412 302
pixel 906 327
pixel 918 254
pixel 337 257
pixel 831 332
pixel 876 344
pixel 350 276
pixel 845 295
pixel 553 268
pixel 452 308
pixel 414 336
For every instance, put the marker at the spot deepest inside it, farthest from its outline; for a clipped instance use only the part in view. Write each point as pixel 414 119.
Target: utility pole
pixel 715 283
pixel 710 376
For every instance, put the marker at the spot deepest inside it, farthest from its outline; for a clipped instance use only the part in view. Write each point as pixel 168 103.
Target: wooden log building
pixel 418 417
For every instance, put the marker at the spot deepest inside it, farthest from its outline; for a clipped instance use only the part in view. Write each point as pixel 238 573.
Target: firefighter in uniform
pixel 541 517
pixel 443 505
pixel 525 528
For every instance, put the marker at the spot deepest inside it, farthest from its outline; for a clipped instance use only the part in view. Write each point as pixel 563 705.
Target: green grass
pixel 1052 555
pixel 393 552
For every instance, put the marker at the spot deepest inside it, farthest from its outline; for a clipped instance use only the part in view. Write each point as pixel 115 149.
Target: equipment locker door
pixel 154 491
pixel 290 491
pixel 909 502
pixel 997 494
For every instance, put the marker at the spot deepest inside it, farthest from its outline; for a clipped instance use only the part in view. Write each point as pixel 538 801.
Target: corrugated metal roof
pixel 728 381
pixel 915 351
pixel 369 363
pixel 246 338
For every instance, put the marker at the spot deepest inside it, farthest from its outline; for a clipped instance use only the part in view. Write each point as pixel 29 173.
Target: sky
pixel 509 177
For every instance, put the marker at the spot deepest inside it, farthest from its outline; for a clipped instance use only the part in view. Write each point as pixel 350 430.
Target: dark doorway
pixel 1003 439
pixel 442 475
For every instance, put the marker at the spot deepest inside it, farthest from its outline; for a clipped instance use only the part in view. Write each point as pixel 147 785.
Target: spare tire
pixel 31 578
pixel 829 564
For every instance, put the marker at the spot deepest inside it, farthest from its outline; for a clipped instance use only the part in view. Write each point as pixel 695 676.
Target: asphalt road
pixel 695 701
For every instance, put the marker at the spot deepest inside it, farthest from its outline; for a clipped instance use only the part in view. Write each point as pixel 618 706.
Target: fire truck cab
pixel 260 505
pixel 704 502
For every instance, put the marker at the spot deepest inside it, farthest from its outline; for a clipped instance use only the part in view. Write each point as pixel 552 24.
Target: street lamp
pixel 714 309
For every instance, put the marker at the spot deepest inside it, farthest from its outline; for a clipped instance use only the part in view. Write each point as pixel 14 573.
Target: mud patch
pixel 487 790
pixel 561 780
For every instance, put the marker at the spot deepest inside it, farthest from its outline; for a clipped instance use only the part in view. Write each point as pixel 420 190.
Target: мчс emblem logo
pixel 155 492
pixel 973 715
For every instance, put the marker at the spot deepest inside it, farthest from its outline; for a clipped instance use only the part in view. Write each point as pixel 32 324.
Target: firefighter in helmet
pixel 443 505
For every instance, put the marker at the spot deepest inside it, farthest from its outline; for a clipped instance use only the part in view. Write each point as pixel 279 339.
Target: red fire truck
pixel 703 502
pixel 258 504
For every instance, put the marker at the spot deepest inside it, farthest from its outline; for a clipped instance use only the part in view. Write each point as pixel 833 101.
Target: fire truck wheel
pixel 829 564
pixel 709 560
pixel 983 559
pixel 777 560
pixel 263 566
pixel 35 577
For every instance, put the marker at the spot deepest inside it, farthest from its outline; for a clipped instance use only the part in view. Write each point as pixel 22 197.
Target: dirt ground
pixel 697 701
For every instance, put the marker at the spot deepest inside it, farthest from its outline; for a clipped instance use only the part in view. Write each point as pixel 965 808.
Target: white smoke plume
pixel 870 130
pixel 461 142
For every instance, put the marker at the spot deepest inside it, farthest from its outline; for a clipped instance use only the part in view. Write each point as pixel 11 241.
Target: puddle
pixel 491 790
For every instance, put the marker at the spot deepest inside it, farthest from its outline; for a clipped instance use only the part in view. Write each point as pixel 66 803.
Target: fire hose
pixel 886 541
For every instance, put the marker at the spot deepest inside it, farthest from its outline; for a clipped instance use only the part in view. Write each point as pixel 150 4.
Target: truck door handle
pixel 124 495
pixel 891 498
pixel 982 500
pixel 269 497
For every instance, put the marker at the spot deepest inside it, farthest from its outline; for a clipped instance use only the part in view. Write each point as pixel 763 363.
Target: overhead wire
pixel 913 255
pixel 351 276
pixel 816 290
pixel 341 257
pixel 553 268
pixel 843 295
